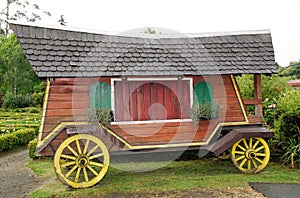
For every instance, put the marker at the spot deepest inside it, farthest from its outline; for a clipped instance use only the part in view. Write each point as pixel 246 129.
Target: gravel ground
pixel 16 180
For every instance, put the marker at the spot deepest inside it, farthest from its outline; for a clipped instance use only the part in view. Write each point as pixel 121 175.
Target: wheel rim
pixel 250 155
pixel 81 161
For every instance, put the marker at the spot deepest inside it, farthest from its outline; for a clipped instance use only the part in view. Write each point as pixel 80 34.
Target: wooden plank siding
pixel 69 98
pixel 165 133
pixel 68 101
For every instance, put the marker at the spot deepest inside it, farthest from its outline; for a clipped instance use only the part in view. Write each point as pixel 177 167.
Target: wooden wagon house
pixel 150 92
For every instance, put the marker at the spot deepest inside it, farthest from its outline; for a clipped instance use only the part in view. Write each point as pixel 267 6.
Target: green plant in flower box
pixel 102 116
pixel 204 111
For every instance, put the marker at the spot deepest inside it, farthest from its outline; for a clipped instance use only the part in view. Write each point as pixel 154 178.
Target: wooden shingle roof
pixel 65 53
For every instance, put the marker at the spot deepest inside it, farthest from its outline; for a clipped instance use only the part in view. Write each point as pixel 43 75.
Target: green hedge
pixel 16 139
pixel 31 148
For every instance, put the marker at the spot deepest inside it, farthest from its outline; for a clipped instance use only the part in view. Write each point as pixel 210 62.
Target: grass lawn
pixel 210 173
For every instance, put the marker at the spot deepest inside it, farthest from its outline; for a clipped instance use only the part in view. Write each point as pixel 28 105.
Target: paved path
pixel 277 190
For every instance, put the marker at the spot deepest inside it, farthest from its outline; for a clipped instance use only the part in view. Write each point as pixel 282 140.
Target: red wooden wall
pixel 69 99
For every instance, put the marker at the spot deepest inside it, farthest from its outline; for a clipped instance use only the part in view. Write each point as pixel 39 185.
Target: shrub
pixel 273 87
pixel 18 101
pixel 37 99
pixel 33 110
pixel 31 148
pixel 9 100
pixel 16 139
pixel 287 124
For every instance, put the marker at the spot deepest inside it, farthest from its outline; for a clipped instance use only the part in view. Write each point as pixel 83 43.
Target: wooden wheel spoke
pixel 96 156
pixel 91 151
pixel 254 163
pixel 249 164
pixel 255 144
pixel 239 152
pixel 77 174
pixel 71 171
pixel 259 148
pixel 240 158
pixel 68 164
pixel 86 146
pixel 260 161
pixel 261 154
pixel 72 150
pixel 68 157
pixel 242 148
pixel 245 143
pixel 92 170
pixel 96 164
pixel 243 163
pixel 86 177
pixel 78 147
pixel 250 142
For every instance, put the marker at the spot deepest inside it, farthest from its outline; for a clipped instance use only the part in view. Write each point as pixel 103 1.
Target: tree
pixel 293 70
pixel 17 76
pixel 22 11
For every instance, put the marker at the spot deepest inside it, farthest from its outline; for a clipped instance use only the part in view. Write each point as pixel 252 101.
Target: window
pixel 100 96
pixel 203 93
pixel 144 100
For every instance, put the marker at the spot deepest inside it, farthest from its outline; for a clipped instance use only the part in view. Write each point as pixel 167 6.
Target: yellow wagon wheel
pixel 250 155
pixel 81 161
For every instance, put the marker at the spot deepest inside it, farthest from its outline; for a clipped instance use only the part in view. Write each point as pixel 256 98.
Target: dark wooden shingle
pixel 65 53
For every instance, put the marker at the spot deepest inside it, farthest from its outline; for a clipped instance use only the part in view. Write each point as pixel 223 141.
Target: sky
pixel 282 17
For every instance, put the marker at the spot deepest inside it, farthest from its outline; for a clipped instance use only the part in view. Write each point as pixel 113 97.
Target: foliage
pixel 18 76
pixel 18 101
pixel 37 97
pixel 18 82
pixel 31 148
pixel 18 127
pixel 292 153
pixel 15 139
pixel 101 116
pixel 273 87
pixel 287 125
pixel 293 70
pixel 20 12
pixel 204 111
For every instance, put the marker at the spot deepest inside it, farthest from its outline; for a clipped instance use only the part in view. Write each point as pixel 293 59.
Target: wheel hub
pixel 82 161
pixel 250 154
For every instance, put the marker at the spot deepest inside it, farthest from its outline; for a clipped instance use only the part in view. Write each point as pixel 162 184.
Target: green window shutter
pixel 100 96
pixel 203 93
